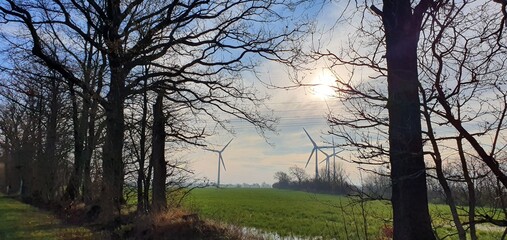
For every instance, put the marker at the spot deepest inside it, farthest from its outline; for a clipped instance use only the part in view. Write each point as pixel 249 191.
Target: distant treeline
pixel 377 185
pixel 331 181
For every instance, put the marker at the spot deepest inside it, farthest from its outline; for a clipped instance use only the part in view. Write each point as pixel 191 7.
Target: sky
pixel 250 158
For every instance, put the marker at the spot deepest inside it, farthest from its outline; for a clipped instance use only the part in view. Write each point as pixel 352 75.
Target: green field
pixel 22 221
pixel 292 213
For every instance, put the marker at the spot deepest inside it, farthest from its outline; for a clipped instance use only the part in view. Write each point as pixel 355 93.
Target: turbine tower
pixel 327 163
pixel 334 159
pixel 220 159
pixel 315 150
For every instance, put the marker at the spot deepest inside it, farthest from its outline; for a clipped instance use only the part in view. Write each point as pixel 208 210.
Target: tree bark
pixel 159 165
pixel 112 162
pixel 411 219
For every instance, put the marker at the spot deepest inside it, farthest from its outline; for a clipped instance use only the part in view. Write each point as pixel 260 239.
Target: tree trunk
pixel 48 192
pixel 147 183
pixel 470 187
pixel 159 165
pixel 141 178
pixel 88 152
pixel 440 173
pixel 112 162
pixel 411 219
pixel 79 131
pixel 34 167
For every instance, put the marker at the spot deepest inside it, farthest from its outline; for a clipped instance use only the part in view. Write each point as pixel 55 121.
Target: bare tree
pixel 462 71
pixel 395 57
pixel 193 45
pixel 283 179
pixel 459 57
pixel 299 174
pixel 37 97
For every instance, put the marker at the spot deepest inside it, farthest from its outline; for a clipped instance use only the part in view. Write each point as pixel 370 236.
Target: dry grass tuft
pixel 180 224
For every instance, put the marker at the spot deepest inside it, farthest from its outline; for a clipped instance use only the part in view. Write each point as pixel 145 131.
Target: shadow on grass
pixel 22 221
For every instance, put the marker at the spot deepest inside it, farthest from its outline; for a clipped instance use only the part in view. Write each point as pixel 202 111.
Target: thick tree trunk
pixel 411 219
pixel 112 162
pixel 408 173
pixel 159 165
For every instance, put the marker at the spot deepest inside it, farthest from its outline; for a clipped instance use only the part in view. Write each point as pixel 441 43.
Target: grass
pixel 22 221
pixel 292 213
pixel 284 212
pixel 289 212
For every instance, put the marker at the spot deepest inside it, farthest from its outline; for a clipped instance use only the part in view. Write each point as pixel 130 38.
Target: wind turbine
pixel 315 150
pixel 327 162
pixel 328 165
pixel 220 159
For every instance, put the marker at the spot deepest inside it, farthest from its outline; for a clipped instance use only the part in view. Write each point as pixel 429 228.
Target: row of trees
pixel 93 90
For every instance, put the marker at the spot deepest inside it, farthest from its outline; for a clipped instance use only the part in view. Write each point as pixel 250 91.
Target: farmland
pixel 291 213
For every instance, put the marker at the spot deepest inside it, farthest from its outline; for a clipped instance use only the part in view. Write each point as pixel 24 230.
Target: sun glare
pixel 324 82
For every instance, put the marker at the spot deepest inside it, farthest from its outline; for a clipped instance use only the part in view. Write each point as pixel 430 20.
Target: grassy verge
pixel 22 221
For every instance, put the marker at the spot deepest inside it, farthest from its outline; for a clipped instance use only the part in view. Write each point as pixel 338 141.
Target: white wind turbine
pixel 220 159
pixel 315 150
pixel 328 156
pixel 334 158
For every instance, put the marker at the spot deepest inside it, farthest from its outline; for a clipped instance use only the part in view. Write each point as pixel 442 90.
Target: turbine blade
pixel 313 142
pixel 226 145
pixel 335 153
pixel 310 158
pixel 222 160
pixel 320 149
pixel 327 156
pixel 324 147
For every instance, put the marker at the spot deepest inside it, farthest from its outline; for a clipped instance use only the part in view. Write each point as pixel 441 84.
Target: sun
pixel 324 84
